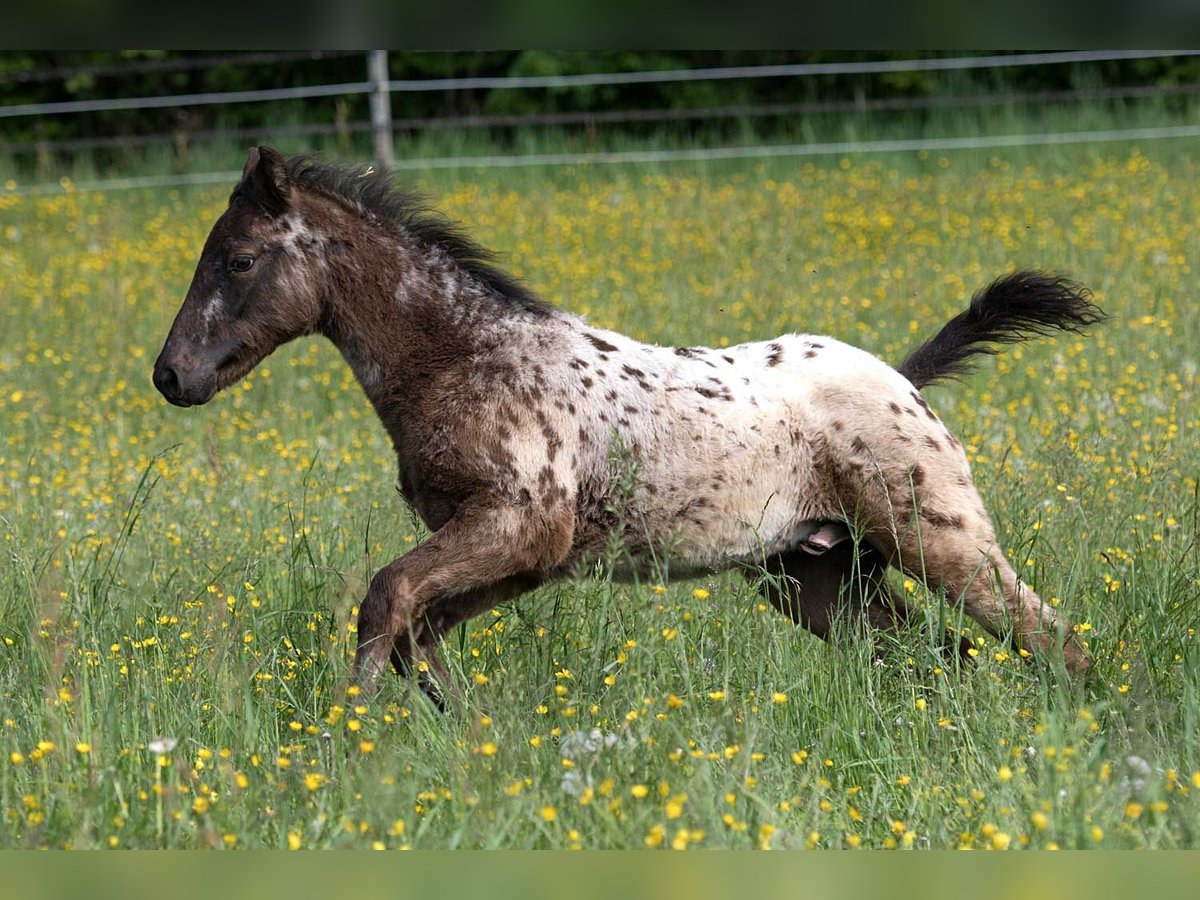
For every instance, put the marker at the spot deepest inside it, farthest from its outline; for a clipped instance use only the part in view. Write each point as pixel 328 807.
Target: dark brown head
pixel 256 287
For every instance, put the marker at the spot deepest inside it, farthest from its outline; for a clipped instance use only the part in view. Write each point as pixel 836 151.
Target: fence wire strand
pixel 704 154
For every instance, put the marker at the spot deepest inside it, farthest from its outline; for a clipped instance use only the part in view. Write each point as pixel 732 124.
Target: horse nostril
pixel 167 381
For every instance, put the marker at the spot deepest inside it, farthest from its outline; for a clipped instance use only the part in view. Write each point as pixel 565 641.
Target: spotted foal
pixel 801 456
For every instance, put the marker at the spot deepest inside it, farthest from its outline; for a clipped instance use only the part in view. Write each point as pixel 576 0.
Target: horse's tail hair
pixel 1011 309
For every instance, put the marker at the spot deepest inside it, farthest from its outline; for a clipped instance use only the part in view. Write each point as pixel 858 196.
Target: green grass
pixel 193 575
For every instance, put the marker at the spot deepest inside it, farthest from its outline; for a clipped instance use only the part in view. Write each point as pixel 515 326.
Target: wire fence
pixel 620 116
pixel 705 154
pixel 589 119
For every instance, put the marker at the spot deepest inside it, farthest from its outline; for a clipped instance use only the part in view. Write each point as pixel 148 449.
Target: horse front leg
pixel 485 554
pixel 417 652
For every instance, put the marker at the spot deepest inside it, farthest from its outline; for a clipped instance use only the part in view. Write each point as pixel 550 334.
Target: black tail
pixel 1012 308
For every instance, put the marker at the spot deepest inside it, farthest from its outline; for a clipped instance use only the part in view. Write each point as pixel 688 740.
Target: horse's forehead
pixel 242 220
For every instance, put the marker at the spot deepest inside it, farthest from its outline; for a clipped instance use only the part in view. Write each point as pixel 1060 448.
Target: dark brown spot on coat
pixel 599 343
pixel 809 354
pixel 720 393
pixel 895 408
pixel 775 357
pixel 932 443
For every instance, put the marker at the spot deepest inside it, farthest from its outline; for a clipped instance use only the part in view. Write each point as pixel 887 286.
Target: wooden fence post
pixel 381 108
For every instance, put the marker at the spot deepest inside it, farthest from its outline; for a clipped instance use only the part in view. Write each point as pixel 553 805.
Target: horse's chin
pixel 233 370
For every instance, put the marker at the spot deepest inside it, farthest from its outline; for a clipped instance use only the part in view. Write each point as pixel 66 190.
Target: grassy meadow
pixel 178 587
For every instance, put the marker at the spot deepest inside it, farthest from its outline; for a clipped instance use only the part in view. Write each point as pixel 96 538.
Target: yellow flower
pixel 765 831
pixel 779 698
pixel 1004 773
pixel 83 747
pixel 639 791
pixel 549 813
pixel 700 594
pixel 293 840
pixel 674 807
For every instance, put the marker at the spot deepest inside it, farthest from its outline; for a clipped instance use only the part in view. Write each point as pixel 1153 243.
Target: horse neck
pixel 400 314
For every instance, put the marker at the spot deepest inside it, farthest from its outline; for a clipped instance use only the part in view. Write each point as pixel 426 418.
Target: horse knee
pixel 381 607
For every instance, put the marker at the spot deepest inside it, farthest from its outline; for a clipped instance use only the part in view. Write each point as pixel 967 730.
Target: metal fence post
pixel 381 108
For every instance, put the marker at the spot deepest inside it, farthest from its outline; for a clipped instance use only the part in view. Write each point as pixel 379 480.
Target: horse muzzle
pixel 187 374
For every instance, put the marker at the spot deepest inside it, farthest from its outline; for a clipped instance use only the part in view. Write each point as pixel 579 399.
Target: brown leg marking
pixel 486 554
pixel 813 589
pixel 443 615
pixel 847 581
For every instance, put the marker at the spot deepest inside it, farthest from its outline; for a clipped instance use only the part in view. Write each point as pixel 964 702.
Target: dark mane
pixel 376 192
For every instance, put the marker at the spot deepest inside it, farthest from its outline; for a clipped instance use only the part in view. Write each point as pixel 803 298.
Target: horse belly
pixel 733 504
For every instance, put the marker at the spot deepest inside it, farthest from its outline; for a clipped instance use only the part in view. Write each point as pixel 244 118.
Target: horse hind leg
pixel 814 589
pixel 928 520
pixel 848 581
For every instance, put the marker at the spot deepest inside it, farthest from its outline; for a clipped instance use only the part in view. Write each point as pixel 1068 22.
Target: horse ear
pixel 265 179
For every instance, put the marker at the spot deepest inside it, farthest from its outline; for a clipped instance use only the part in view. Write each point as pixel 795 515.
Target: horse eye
pixel 241 263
